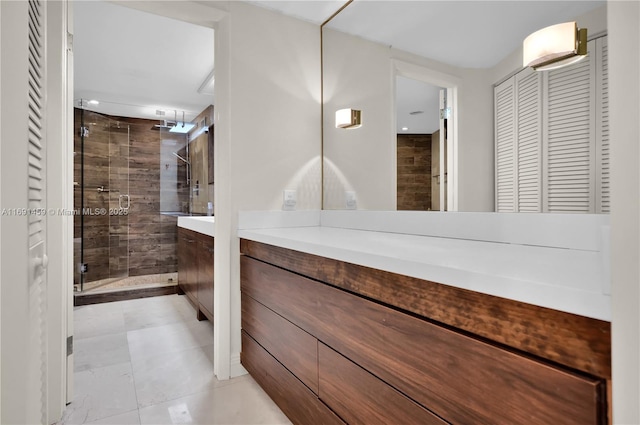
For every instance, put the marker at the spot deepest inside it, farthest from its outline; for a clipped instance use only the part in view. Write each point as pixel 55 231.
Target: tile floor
pixel 149 361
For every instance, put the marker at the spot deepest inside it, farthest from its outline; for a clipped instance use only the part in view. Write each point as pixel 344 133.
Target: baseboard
pixel 236 368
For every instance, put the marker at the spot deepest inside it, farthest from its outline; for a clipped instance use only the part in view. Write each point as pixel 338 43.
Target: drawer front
pixel 188 250
pixel 461 379
pixel 577 342
pixel 290 345
pixel 205 274
pixel 300 405
pixel 360 398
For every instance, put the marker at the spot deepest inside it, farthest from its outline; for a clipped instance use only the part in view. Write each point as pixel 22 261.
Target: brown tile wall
pixel 144 241
pixel 414 172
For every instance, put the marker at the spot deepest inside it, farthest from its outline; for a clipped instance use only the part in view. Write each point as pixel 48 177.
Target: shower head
pixel 181 158
pixel 166 125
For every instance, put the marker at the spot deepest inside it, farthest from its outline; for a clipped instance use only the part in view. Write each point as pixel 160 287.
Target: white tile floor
pixel 149 361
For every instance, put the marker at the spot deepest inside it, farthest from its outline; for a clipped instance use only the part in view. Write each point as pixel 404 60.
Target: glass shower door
pixel 101 201
pixel 119 200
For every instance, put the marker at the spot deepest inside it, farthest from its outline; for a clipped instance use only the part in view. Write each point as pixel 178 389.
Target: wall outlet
pixel 289 200
pixel 350 198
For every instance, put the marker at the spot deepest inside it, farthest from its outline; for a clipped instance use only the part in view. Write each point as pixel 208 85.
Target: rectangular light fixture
pixel 348 118
pixel 555 46
pixel 182 127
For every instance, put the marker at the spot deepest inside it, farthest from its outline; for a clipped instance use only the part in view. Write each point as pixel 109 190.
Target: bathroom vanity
pixel 195 263
pixel 336 334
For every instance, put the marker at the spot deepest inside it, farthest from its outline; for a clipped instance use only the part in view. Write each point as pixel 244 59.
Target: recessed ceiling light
pixel 405 128
pixel 93 102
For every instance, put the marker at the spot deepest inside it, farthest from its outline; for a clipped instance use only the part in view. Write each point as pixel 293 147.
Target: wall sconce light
pixel 348 118
pixel 555 46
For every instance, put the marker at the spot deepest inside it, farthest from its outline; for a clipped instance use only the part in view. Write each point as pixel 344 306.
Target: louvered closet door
pixel 602 143
pixel 504 113
pixel 37 373
pixel 529 146
pixel 570 138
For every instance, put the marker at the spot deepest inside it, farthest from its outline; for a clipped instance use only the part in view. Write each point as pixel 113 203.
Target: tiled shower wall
pixel 144 241
pixel 414 172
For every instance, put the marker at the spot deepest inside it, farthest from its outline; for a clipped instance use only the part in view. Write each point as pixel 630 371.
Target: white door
pixel 37 219
pixel 24 221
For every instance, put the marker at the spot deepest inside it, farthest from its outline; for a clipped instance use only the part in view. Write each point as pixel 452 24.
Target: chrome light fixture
pixel 348 118
pixel 555 46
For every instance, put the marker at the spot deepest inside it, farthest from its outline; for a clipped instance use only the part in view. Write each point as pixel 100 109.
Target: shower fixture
pixel 181 126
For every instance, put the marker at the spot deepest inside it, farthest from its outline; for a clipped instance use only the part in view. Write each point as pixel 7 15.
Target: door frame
pixel 60 204
pixel 451 83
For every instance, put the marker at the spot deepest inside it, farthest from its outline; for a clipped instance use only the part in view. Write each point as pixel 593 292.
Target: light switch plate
pixel 289 200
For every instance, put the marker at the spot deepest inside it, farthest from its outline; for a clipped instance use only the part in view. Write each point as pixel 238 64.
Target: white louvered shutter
pixel 570 138
pixel 528 136
pixel 602 114
pixel 504 102
pixel 37 220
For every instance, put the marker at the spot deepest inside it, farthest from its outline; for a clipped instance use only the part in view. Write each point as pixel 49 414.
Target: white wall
pixel 360 74
pixel 624 83
pixel 267 137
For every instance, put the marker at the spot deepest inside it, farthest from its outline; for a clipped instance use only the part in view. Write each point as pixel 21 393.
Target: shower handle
pixel 120 202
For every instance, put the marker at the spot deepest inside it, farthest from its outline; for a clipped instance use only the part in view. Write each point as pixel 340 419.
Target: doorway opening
pixel 137 78
pixel 426 131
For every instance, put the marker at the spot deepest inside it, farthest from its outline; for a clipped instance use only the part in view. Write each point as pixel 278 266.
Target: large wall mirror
pixel 439 84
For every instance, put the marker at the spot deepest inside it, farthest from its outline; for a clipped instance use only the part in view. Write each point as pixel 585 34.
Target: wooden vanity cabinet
pixel 370 362
pixel 205 276
pixel 187 263
pixel 195 270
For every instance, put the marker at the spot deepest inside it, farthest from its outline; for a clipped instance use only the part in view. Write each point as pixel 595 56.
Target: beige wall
pixel 267 136
pixel 360 74
pixel 624 83
pixel 357 74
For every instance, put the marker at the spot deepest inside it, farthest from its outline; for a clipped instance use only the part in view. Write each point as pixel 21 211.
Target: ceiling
pixel 466 34
pixel 135 63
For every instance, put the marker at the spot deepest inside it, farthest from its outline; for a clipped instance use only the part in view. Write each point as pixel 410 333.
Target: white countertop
pixel 570 280
pixel 200 224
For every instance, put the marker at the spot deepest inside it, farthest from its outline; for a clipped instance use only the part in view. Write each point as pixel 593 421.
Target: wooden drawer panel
pixel 360 398
pixel 205 275
pixel 290 345
pixel 459 378
pixel 578 342
pixel 188 264
pixel 296 401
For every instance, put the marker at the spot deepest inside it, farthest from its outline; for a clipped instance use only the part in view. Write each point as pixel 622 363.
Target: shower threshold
pixel 118 289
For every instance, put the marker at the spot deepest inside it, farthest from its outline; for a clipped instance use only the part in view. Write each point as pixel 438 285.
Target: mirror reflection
pixel 516 139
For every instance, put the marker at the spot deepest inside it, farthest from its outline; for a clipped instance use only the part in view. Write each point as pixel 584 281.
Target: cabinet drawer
pixel 459 378
pixel 188 264
pixel 360 398
pixel 296 401
pixel 290 345
pixel 205 275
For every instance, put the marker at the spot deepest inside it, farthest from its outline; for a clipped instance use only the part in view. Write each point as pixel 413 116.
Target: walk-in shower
pixel 129 188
